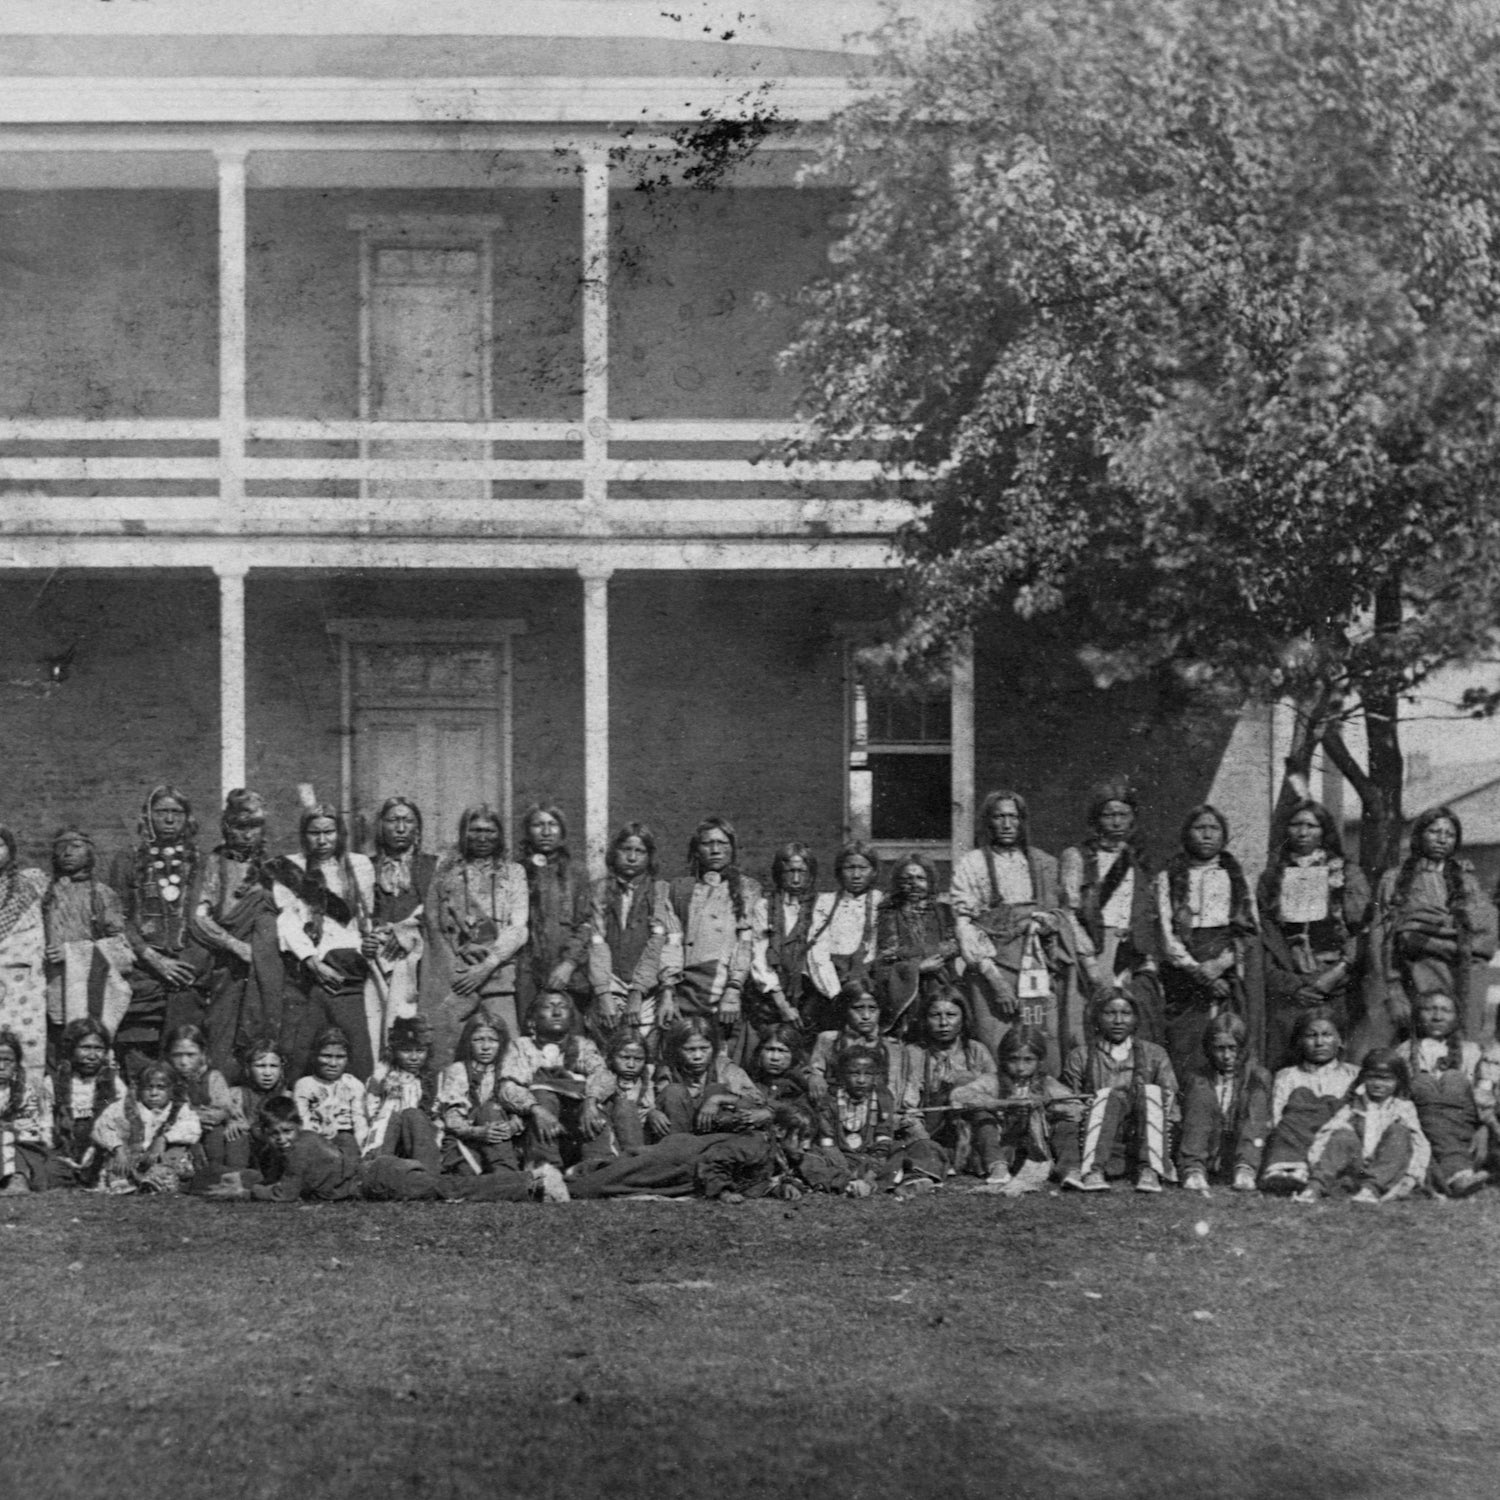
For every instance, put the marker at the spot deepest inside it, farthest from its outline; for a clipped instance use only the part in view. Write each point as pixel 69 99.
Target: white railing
pixel 430 474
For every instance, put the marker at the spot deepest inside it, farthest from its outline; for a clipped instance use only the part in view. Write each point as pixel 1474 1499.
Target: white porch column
pixel 595 335
pixel 596 713
pixel 231 675
pixel 231 336
pixel 961 689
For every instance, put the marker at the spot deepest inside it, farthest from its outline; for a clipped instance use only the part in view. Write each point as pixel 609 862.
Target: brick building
pixel 364 424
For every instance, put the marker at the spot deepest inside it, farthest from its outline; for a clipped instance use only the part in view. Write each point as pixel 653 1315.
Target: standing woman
pixel 475 925
pixel 789 912
pixel 324 895
pixel 1208 930
pixel 157 883
pixel 558 912
pixel 393 946
pixel 1106 886
pixel 23 942
pixel 1010 917
pixel 722 917
pixel 1433 930
pixel 235 919
pixel 844 921
pixel 1314 907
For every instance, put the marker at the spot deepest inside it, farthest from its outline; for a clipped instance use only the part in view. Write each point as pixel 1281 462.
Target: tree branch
pixel 1351 770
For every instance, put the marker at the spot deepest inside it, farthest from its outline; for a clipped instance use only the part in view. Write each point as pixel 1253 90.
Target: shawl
pixel 20 891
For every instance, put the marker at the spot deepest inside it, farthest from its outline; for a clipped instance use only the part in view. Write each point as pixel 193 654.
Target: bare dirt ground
pixel 952 1346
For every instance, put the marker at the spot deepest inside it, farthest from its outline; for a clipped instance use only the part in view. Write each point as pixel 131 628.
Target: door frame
pixel 500 634
pixel 431 232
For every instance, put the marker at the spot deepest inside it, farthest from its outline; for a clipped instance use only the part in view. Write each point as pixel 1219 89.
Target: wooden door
pixel 428 352
pixel 429 723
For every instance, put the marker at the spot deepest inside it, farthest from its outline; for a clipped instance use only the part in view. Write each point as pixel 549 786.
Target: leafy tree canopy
pixel 1195 308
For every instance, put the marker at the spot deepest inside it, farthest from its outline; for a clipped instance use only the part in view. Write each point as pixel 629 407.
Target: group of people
pixel 328 1024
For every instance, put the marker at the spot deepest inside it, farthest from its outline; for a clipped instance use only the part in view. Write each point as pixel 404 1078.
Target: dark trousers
pixel 1343 1162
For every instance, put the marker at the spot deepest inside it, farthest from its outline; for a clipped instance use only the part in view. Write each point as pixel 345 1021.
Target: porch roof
pixel 74 62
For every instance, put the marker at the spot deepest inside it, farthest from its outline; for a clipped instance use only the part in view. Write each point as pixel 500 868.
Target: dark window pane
pixel 895 716
pixel 937 720
pixel 912 797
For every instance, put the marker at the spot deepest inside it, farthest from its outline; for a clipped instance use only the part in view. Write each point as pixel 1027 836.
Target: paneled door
pixel 429 721
pixel 442 758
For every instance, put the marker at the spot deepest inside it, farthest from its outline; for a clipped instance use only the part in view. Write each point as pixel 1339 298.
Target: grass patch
pixel 955 1346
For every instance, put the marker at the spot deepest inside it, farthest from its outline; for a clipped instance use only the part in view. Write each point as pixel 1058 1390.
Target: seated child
pixel 186 1049
pixel 1374 1144
pixel 479 1133
pixel 25 1122
pixel 147 1137
pixel 1036 1115
pixel 858 1120
pixel 861 1028
pixel 776 1066
pixel 1453 1088
pixel 555 1079
pixel 1227 1114
pixel 264 1073
pixel 939 1141
pixel 305 1165
pixel 635 1095
pixel 86 1084
pixel 330 1099
pixel 401 1096
pixel 1304 1098
pixel 1130 1099
pixel 695 1083
pixel 780 1162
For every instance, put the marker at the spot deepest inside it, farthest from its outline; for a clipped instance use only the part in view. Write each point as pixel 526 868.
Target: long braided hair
pixel 732 877
pixel 1332 847
pixel 106 1080
pixel 464 1053
pixel 1182 862
pixel 1453 881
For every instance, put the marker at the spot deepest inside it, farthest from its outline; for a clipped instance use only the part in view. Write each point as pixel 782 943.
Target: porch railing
pixel 314 476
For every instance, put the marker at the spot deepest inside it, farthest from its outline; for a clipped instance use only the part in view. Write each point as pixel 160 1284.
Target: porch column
pixel 231 675
pixel 961 689
pixel 596 713
pixel 595 336
pixel 231 336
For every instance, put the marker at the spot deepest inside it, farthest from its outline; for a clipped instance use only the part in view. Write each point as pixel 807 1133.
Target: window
pixel 900 765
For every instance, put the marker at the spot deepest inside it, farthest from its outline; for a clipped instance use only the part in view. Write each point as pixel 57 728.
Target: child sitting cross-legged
pixel 306 1166
pixel 479 1133
pixel 86 1084
pixel 1037 1117
pixel 941 1138
pixel 332 1101
pixel 401 1096
pixel 1130 1098
pixel 859 1120
pixel 1373 1145
pixel 635 1094
pixel 556 1080
pixel 1227 1114
pixel 148 1136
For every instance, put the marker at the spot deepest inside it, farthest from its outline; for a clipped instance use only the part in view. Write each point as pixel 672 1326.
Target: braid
pixel 1458 905
pixel 1404 878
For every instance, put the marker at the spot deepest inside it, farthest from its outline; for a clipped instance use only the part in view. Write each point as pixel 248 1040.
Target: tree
pixel 1190 312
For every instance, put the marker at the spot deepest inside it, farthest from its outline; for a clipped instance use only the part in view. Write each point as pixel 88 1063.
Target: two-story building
pixel 381 410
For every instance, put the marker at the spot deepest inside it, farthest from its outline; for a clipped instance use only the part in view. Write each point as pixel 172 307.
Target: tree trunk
pixel 1310 722
pixel 1381 819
